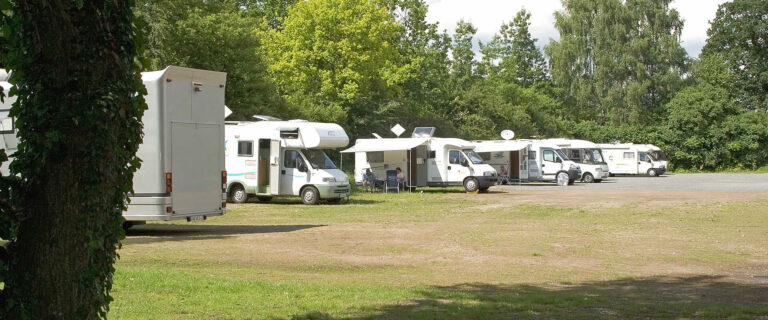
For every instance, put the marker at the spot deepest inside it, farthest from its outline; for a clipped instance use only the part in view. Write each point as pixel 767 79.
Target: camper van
pixel 551 163
pixel 509 156
pixel 182 171
pixel 426 161
pixel 589 157
pixel 284 158
pixel 629 158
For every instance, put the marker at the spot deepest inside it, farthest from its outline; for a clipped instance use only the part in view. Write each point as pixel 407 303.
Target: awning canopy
pixel 390 144
pixel 500 145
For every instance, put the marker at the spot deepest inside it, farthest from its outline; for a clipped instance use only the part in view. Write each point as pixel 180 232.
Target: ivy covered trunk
pixel 80 101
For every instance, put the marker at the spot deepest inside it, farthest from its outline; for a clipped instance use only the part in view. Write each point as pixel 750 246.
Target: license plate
pixel 195 218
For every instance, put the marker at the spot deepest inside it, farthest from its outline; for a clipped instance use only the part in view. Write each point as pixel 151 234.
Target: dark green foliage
pixel 80 101
pixel 739 34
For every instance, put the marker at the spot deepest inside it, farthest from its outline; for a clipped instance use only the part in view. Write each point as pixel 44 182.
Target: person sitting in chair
pixel 369 179
pixel 400 177
pixel 503 171
pixel 503 175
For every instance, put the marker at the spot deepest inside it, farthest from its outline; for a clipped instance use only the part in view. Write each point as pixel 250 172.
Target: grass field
pixel 443 254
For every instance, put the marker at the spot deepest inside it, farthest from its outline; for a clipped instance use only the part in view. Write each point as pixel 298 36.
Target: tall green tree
pixel 617 61
pixel 214 35
pixel 463 57
pixel 738 34
pixel 78 110
pixel 512 54
pixel 337 60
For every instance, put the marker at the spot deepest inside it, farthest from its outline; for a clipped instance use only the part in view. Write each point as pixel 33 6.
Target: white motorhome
pixel 426 161
pixel 552 163
pixel 629 158
pixel 284 158
pixel 509 156
pixel 182 171
pixel 588 155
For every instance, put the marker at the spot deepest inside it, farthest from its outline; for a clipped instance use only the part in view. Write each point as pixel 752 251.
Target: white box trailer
pixel 182 169
pixel 426 162
pixel 588 155
pixel 629 158
pixel 511 156
pixel 284 158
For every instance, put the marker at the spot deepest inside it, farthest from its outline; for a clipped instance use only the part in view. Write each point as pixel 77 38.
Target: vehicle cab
pixel 553 164
pixel 588 156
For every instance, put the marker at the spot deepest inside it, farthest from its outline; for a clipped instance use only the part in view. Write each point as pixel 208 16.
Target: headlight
pixel 331 179
pixel 489 173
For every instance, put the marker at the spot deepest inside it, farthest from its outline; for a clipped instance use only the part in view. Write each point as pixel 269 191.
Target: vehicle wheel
pixel 310 195
pixel 264 199
pixel 588 178
pixel 562 179
pixel 652 173
pixel 471 185
pixel 334 201
pixel 238 194
pixel 484 190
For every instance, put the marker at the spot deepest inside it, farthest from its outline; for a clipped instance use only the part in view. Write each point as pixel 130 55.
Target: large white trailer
pixel 182 171
pixel 588 155
pixel 509 156
pixel 284 158
pixel 426 161
pixel 629 158
pixel 551 163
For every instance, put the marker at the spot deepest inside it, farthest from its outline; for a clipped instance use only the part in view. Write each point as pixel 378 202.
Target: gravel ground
pixel 713 182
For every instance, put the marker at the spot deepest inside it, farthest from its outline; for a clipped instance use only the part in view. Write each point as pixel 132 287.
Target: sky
pixel 488 15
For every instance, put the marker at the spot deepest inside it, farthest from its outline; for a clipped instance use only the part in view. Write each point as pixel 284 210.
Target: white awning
pixel 390 144
pixel 500 145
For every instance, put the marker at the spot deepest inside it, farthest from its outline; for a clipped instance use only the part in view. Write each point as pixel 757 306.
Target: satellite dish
pixel 377 136
pixel 507 134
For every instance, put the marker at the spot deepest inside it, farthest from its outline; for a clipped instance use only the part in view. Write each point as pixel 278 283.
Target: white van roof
pixel 386 144
pixel 499 145
pixel 573 143
pixel 312 134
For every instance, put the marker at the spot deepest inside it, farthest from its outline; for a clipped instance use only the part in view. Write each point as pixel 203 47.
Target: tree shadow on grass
pixel 152 233
pixel 698 297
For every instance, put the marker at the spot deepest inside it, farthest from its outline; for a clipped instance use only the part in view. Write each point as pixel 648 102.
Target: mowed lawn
pixel 443 254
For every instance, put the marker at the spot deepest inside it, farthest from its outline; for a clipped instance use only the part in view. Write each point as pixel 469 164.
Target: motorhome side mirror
pixel 465 163
pixel 302 167
pixel 559 160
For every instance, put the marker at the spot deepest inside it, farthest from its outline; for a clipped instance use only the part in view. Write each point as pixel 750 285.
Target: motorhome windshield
pixel 593 156
pixel 561 154
pixel 318 159
pixel 476 159
pixel 658 155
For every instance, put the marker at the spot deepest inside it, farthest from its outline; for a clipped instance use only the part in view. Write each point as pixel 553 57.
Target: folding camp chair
pixel 391 181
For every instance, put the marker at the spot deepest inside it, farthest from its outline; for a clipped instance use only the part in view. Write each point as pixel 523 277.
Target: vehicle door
pixel 458 166
pixel 643 162
pixel 294 173
pixel 523 164
pixel 550 163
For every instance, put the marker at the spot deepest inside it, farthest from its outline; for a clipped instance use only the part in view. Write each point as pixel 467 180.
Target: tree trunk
pixel 78 124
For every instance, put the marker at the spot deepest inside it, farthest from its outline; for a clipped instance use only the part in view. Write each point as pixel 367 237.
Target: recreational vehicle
pixel 628 158
pixel 509 156
pixel 284 158
pixel 553 165
pixel 589 157
pixel 182 171
pixel 426 161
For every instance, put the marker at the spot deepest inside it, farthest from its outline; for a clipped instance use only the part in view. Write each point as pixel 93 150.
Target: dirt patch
pixel 590 199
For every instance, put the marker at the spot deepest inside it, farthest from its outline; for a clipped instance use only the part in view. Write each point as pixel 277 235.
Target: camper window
pixel 642 156
pixel 432 155
pixel 245 148
pixel 289 134
pixel 485 155
pixel 455 157
pixel 292 159
pixel 532 155
pixel 7 125
pixel 629 155
pixel 549 155
pixel 375 157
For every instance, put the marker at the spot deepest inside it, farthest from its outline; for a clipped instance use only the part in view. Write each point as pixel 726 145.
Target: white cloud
pixel 488 15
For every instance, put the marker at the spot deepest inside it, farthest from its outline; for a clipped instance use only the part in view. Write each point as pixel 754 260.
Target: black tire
pixel 652 173
pixel 588 178
pixel 471 184
pixel 237 194
pixel 264 199
pixel 334 201
pixel 310 195
pixel 561 177
pixel 484 190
